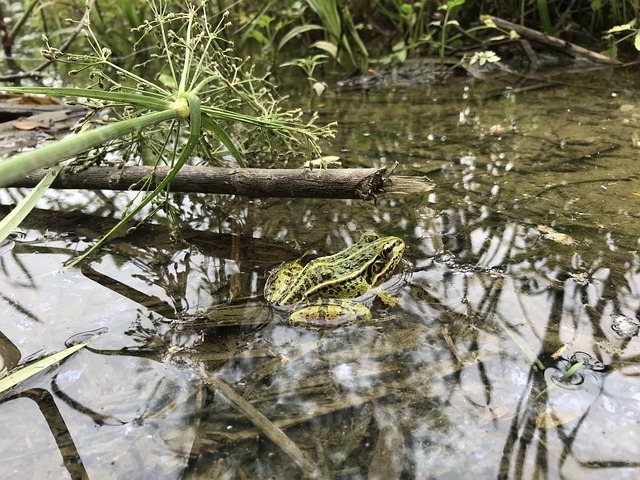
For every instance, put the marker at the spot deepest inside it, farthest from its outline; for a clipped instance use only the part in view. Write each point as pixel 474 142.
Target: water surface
pixel 513 353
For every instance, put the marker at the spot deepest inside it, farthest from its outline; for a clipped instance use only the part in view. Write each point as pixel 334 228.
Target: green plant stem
pixel 146 100
pixel 443 36
pixel 20 165
pixel 188 56
pixel 195 121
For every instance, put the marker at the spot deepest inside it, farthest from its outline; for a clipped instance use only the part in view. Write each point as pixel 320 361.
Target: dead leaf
pixel 33 100
pixel 40 120
pixel 494 414
pixel 28 124
pixel 559 352
pixel 554 418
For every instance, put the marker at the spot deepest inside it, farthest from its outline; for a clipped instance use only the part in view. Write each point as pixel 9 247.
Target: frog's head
pixel 389 252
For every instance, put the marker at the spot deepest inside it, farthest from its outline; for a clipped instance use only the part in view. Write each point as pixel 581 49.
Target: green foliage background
pixel 356 33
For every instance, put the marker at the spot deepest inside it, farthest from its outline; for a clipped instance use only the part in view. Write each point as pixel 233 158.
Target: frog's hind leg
pixel 330 313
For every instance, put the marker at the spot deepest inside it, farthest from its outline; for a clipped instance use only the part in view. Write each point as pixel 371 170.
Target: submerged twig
pixel 276 435
pixel 387 458
pixel 399 389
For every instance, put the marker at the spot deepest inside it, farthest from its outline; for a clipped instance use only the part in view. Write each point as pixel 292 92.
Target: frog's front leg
pixel 388 300
pixel 330 313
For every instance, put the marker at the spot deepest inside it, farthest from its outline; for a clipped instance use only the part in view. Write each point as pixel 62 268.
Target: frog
pixel 320 294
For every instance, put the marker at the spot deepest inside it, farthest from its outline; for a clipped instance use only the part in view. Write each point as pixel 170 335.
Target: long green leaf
pixel 545 20
pixel 210 124
pixel 195 122
pixel 251 26
pixel 327 10
pixel 328 47
pixel 128 8
pixel 24 373
pixel 146 100
pixel 15 217
pixel 354 34
pixel 294 32
pixel 16 167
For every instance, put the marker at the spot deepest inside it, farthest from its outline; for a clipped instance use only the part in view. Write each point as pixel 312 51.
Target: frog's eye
pixel 387 250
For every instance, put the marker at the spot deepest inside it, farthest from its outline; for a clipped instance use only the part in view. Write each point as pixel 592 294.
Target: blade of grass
pixel 28 371
pixel 294 32
pixel 545 20
pixel 327 10
pixel 354 34
pixel 251 26
pixel 524 346
pixel 128 9
pixel 15 217
pixel 567 375
pixel 210 124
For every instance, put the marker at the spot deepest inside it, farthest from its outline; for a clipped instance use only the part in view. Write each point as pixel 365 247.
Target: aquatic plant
pixel 630 32
pixel 308 65
pixel 202 102
pixel 342 35
pixel 450 9
pixel 395 30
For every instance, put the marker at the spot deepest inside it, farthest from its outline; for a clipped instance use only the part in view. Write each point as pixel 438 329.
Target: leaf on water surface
pixel 558 353
pixel 23 373
pixel 28 203
pixel 494 414
pixel 574 368
pixel 553 418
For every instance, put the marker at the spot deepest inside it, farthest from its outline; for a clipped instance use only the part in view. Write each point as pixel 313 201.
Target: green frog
pixel 317 294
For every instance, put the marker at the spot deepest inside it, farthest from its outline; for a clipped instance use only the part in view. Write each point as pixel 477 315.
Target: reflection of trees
pixel 554 306
pixel 56 424
pixel 462 368
pixel 501 300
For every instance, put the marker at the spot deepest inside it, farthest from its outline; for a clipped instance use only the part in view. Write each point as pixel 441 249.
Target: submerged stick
pixel 361 183
pixel 267 427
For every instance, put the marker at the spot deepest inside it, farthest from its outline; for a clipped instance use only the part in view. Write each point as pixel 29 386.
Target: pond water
pixel 514 351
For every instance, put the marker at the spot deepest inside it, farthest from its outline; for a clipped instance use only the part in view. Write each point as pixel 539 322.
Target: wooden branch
pixel 554 42
pixel 361 183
